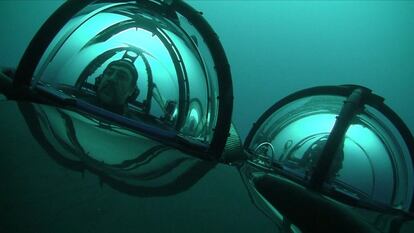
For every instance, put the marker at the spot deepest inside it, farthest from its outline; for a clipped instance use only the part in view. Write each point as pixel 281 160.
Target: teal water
pixel 278 47
pixel 274 48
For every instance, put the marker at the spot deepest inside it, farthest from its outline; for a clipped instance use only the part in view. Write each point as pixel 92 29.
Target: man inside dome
pixel 117 85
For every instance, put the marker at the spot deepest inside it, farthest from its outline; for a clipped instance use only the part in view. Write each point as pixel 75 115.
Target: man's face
pixel 116 85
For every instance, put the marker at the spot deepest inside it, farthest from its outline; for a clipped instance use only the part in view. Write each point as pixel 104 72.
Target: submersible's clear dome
pixel 339 140
pixel 184 80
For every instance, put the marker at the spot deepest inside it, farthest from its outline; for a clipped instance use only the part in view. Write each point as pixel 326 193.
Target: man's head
pixel 117 84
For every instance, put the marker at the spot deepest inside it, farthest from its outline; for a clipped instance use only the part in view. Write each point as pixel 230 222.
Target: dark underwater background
pixel 279 47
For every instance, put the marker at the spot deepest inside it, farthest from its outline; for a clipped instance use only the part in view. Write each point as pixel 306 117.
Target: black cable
pixel 351 107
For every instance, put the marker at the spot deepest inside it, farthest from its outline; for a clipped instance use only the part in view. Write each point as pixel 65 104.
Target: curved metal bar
pixel 222 67
pixel 403 130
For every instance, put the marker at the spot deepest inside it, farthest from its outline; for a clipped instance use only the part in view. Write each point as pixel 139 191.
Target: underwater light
pixel 339 140
pixel 183 93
